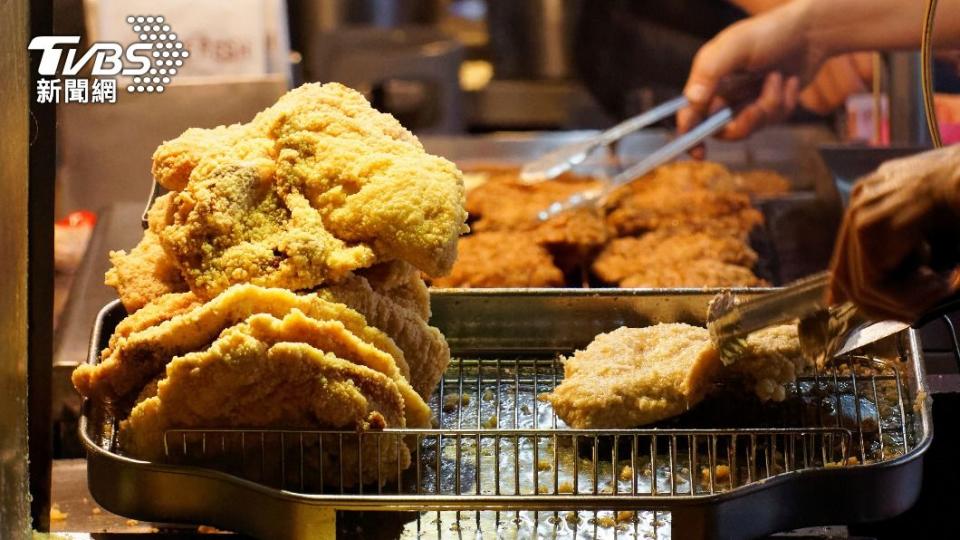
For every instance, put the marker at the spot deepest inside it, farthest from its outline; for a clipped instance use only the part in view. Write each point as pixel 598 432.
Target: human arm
pixel 791 42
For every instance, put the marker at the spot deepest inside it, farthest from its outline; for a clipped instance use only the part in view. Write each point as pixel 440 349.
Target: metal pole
pixel 907 122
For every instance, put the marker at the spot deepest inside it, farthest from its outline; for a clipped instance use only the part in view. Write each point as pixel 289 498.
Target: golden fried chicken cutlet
pixel 143 274
pixel 333 337
pixel 757 182
pixel 696 273
pixel 626 256
pixel 241 381
pixel 503 203
pixel 502 259
pixel 635 376
pixel 772 359
pixel 158 310
pixel 233 227
pixel 131 361
pixel 644 210
pixel 687 175
pixel 684 175
pixel 401 282
pixel 425 351
pixel 314 187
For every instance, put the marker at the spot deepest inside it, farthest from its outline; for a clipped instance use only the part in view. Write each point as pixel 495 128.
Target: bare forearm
pixel 757 6
pixel 859 25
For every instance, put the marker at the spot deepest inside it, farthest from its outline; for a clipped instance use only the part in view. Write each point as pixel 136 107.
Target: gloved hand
pixel 897 250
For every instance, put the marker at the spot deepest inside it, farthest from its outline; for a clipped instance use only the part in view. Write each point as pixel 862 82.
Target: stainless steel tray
pixel 787 466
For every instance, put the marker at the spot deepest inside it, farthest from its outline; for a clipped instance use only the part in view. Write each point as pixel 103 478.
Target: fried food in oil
pixel 502 259
pixel 503 203
pixel 635 376
pixel 697 273
pixel 135 359
pixel 721 213
pixel 143 274
pixel 271 382
pixel 425 352
pixel 315 186
pixel 623 257
pixel 772 358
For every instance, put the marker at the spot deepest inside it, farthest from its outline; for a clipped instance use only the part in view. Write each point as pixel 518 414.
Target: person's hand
pixel 774 43
pixel 838 78
pixel 900 230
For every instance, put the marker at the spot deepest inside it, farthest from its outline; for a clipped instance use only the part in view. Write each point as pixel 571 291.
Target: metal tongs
pixel 825 331
pixel 541 169
pixel 737 89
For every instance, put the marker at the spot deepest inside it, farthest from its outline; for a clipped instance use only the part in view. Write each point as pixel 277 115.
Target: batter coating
pixel 627 256
pixel 635 376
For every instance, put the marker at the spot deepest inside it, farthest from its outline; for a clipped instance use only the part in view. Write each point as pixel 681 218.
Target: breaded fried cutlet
pixel 245 382
pixel 503 203
pixel 623 257
pixel 687 175
pixel 314 187
pixel 697 273
pixel 502 259
pixel 131 361
pixel 757 182
pixel 402 283
pixel 158 310
pixel 645 210
pixel 424 350
pixel 684 175
pixel 636 376
pixel 772 358
pixel 145 273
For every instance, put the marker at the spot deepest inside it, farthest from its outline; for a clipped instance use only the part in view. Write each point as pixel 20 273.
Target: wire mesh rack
pixel 499 445
pixel 500 463
pixel 499 442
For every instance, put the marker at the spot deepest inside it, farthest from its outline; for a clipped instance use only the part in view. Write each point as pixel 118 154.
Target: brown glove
pixel 896 254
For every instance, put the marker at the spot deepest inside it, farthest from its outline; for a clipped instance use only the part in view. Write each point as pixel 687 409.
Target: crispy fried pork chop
pixel 135 359
pixel 245 382
pixel 502 259
pixel 424 349
pixel 315 186
pixel 697 273
pixel 627 256
pixel 771 360
pixel 635 376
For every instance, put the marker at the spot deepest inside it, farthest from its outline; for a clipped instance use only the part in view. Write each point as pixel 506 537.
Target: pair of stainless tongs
pixel 736 89
pixel 557 162
pixel 825 331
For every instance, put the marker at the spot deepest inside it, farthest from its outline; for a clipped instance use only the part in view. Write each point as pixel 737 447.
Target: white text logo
pixel 150 63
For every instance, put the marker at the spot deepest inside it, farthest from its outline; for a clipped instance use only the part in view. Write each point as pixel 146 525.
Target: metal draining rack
pixel 499 451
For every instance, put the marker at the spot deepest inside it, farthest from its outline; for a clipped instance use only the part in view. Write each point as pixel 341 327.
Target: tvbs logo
pixel 150 64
